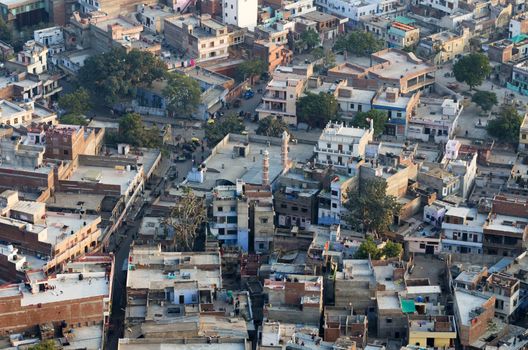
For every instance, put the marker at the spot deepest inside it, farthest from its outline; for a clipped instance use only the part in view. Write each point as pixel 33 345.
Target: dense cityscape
pixel 264 174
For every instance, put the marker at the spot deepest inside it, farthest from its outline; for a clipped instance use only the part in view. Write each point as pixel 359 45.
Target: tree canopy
pixel 133 131
pixel 5 32
pixel 271 126
pixel 72 119
pixel 485 99
pixel 359 43
pixel 217 131
pixel 45 345
pixel 506 126
pixel 250 68
pixel 113 75
pixel 317 110
pixel 183 94
pixel 472 69
pixel 76 103
pixel 370 208
pixel 369 248
pixel 309 39
pixel 361 120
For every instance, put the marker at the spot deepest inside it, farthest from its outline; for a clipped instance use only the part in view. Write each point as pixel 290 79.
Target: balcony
pixel 317 149
pixel 274 96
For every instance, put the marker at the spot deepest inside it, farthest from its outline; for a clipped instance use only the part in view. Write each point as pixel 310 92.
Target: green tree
pixel 271 126
pixel 359 43
pixel 217 131
pixel 317 53
pixel 309 39
pixel 506 126
pixel 485 99
pixel 133 131
pixel 5 32
pixel 116 74
pixel 250 68
pixel 183 94
pixel 73 119
pixel 370 208
pixel 362 120
pixel 392 249
pixel 45 345
pixel 368 248
pixel 317 110
pixel 472 69
pixel 186 218
pixel 77 102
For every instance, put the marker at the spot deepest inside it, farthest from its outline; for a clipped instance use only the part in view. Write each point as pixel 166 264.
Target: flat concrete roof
pixel 400 64
pixel 89 337
pixel 110 176
pixel 388 302
pixel 222 165
pixel 466 302
pixel 75 201
pixel 60 225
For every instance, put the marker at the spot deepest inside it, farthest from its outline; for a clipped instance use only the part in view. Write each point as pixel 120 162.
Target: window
pixel 233 208
pixel 422 246
pixel 295 208
pixel 334 205
pixel 351 106
pixel 220 208
pixel 66 152
pixel 221 41
pixel 389 320
pixel 263 220
pixel 284 206
pixel 231 219
pixel 203 45
pixel 334 193
pixel 328 145
pixel 231 6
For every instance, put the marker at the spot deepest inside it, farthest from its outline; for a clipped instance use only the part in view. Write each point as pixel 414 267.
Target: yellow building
pixel 432 331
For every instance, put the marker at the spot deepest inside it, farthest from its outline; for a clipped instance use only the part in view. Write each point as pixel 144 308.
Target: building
pixel 473 312
pixel 463 230
pixel 296 299
pixel 399 110
pixel 328 26
pixel 57 237
pixel 444 46
pixel 506 231
pixel 389 68
pixel 80 296
pixel 342 323
pixel 356 10
pixel 462 162
pixel 112 8
pixel 447 7
pixel 432 331
pixel 32 59
pixel 282 92
pixel 23 12
pixel 273 55
pixel 332 199
pixel 523 135
pixel 52 38
pixel 67 142
pixel 201 38
pixel 242 212
pixel 435 120
pixel 341 146
pixel 153 18
pixel 518 25
pixel 402 35
pixel 506 290
pixel 241 13
pixel 392 320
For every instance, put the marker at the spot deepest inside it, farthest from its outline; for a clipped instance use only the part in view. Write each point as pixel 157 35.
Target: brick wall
pixel 19 237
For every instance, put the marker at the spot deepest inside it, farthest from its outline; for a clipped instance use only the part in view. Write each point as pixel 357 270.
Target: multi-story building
pixel 461 161
pixel 273 55
pixel 444 46
pixel 297 299
pixel 399 110
pixel 463 230
pixel 67 142
pixel 240 212
pixel 80 296
pixel 327 25
pixel 389 68
pixel 332 198
pixel 506 231
pixel 112 7
pixel 241 13
pixel 282 92
pixel 402 35
pixel 519 78
pixel 429 331
pixel 505 289
pixel 201 38
pixel 355 10
pixel 32 59
pixel 23 12
pixel 518 25
pixel 435 120
pixel 153 18
pixel 52 38
pixel 473 312
pixel 341 146
pixel 446 6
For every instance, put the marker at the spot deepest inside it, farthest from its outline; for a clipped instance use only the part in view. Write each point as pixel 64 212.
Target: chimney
pixel 265 168
pixel 284 151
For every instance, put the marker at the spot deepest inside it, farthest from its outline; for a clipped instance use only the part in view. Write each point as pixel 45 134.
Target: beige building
pixel 282 92
pixel 32 59
pixel 201 37
pixel 444 46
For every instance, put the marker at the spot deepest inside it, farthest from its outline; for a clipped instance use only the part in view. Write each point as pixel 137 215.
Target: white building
pixel 463 230
pixel 435 120
pixel 52 38
pixel 331 203
pixel 339 145
pixel 299 7
pixel 241 13
pixel 447 6
pixel 356 9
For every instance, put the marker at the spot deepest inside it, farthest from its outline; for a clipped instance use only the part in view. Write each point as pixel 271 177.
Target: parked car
pixel 180 158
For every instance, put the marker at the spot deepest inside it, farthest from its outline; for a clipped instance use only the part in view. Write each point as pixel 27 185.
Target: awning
pixel 408 306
